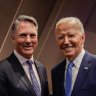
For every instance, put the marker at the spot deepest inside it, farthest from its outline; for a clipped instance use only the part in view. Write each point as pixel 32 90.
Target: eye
pixel 23 35
pixel 61 37
pixel 32 35
pixel 71 35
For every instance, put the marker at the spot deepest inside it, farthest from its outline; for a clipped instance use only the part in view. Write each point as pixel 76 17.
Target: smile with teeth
pixel 68 47
pixel 27 47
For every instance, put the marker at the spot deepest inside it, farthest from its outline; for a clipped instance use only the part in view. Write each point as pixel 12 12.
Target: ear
pixel 83 38
pixel 12 36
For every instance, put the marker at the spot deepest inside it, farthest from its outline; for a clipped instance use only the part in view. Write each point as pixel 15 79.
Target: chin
pixel 28 53
pixel 69 55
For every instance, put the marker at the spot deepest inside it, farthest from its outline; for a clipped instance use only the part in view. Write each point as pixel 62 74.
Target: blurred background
pixel 47 13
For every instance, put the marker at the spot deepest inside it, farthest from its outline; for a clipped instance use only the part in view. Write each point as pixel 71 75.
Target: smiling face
pixel 25 39
pixel 69 39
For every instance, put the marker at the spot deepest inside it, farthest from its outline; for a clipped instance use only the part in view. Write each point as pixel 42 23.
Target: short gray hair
pixel 26 19
pixel 71 20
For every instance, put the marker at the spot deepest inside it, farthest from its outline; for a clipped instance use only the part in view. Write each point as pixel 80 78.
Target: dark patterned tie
pixel 68 83
pixel 35 84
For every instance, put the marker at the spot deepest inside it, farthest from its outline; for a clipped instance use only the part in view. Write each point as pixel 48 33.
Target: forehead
pixel 26 28
pixel 67 28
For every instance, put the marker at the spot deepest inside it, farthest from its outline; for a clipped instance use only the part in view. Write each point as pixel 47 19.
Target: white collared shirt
pixel 75 68
pixel 25 66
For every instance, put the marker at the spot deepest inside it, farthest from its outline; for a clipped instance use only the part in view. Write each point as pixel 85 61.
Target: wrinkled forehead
pixel 67 26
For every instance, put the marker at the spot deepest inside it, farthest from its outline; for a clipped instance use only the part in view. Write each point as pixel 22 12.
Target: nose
pixel 66 40
pixel 28 38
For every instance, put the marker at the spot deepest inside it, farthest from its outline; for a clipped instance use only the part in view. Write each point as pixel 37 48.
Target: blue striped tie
pixel 68 83
pixel 35 84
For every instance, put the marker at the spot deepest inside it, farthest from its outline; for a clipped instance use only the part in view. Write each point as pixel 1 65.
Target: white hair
pixel 71 20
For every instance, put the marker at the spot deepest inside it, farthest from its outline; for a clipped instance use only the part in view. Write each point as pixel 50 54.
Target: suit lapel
pixel 60 77
pixel 18 69
pixel 82 74
pixel 43 78
pixel 40 74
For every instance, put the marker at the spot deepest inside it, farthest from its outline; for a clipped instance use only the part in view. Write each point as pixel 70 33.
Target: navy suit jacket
pixel 14 81
pixel 85 84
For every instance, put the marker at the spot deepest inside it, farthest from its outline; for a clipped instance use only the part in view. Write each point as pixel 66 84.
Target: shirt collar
pixel 78 59
pixel 21 58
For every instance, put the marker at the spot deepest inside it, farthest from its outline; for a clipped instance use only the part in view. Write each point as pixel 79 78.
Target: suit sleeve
pixel 3 82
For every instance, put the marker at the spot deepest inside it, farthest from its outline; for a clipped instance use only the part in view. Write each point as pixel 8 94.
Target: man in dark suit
pixel 70 37
pixel 15 76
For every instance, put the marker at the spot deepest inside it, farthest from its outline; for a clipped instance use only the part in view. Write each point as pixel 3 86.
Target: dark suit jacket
pixel 14 81
pixel 85 84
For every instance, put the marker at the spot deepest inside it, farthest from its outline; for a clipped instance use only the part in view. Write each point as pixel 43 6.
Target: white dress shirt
pixel 75 68
pixel 25 66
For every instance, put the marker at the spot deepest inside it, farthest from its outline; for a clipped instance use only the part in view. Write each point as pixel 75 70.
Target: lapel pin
pixel 86 68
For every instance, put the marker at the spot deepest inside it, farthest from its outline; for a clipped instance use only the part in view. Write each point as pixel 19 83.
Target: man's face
pixel 25 39
pixel 70 40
